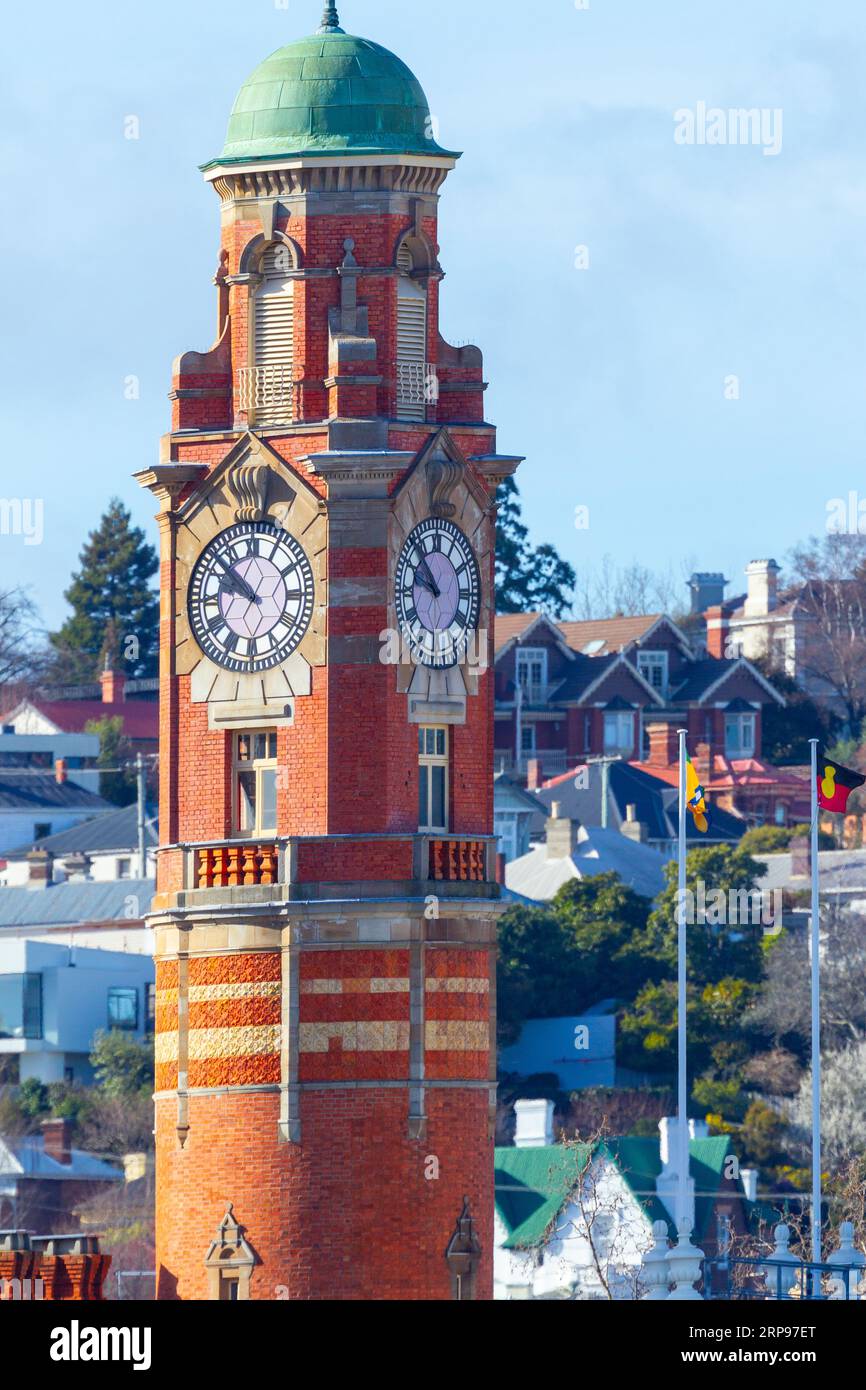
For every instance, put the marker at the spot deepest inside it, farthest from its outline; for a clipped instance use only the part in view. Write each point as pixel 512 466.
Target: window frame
pixel 430 761
pixel 625 750
pixel 525 658
pixel 127 990
pixel 659 660
pixel 259 767
pixel 742 720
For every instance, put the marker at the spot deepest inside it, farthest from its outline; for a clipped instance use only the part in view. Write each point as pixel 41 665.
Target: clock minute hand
pixel 236 584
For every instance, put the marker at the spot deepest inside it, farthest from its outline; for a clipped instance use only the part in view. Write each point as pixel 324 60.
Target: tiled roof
pixel 700 676
pixel 510 625
pixel 597 851
pixel 24 791
pixel 66 904
pixel 738 772
pixel 115 830
pixel 613 633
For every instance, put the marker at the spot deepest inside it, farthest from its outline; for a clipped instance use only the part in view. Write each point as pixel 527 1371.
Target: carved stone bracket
pixel 443 475
pixel 248 483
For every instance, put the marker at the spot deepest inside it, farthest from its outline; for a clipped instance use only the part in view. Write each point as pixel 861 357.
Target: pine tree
pixel 527 579
pixel 111 600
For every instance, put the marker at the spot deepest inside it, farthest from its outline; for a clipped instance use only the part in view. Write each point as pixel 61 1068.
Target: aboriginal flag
pixel 835 784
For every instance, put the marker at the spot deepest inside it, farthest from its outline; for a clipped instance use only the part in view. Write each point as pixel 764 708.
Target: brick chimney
pixel 61 771
pixel 560 834
pixel 663 745
pixel 113 685
pixel 706 591
pixel 56 1136
pixel 718 627
pixel 40 868
pixel 533 774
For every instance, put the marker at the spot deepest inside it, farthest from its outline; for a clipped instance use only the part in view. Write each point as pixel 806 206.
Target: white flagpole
pixel 682 1087
pixel 816 1019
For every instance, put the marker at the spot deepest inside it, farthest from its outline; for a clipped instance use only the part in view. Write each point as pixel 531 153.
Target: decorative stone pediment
pixel 229 1261
pixel 252 483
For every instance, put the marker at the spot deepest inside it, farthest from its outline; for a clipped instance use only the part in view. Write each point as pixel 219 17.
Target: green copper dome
pixel 329 94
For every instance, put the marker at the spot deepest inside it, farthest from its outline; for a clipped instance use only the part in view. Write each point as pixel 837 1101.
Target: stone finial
pixel 685 1262
pixel 781 1281
pixel 330 21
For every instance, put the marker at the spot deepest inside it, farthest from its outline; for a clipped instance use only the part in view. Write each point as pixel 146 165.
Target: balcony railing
pixel 417 387
pixel 458 861
pixel 229 866
pixel 267 393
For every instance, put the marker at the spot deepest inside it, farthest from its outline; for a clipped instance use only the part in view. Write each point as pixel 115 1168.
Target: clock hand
pixel 428 581
pixel 236 584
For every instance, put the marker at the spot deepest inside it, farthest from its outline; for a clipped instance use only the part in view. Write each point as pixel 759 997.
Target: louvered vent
pixel 269 384
pixel 411 348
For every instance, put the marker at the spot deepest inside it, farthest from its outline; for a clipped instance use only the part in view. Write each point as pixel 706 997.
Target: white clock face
pixel 251 597
pixel 438 592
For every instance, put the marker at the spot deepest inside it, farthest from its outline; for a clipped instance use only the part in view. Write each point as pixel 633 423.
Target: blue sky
pixel 704 262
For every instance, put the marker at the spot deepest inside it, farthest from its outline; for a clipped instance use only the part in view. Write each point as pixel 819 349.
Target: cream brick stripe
pixel 386 985
pixel 366 1036
pixel 456 1035
pixel 206 994
pixel 456 984
pixel 216 1043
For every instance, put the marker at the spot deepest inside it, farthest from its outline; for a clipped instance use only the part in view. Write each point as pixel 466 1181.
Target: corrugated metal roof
pixel 65 904
pixel 22 791
pixel 116 829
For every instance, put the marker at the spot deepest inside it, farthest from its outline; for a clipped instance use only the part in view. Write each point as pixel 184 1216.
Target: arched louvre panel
pixel 274 338
pixel 411 349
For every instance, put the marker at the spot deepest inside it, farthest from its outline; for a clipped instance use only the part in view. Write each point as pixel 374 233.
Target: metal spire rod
pixel 330 20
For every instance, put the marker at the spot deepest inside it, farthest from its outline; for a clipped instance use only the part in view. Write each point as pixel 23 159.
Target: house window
pixel 532 674
pixel 780 813
pixel 619 732
pixel 505 828
pixel 527 740
pixel 432 777
pixel 255 779
pixel 739 735
pixel 124 868
pixel 150 1007
pixel 123 1008
pixel 653 666
pixel 41 829
pixel 21 1006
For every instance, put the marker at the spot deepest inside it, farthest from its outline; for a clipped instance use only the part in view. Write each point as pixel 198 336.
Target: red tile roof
pixel 614 633
pixel 140 717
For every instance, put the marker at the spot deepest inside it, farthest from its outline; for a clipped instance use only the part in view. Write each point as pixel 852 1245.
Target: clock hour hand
pixel 424 574
pixel 237 585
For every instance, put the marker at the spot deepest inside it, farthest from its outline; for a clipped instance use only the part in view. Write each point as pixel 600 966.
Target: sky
pixel 673 332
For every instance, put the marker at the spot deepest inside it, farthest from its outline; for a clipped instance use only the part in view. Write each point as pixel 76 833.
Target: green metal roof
pixel 329 94
pixel 533 1185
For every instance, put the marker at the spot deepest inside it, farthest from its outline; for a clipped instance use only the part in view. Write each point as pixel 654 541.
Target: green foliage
pixel 775 839
pixel 33 1099
pixel 713 951
pixel 720 1098
pixel 114 752
pixel 527 579
pixel 762 1135
pixel 121 1065
pixel 112 602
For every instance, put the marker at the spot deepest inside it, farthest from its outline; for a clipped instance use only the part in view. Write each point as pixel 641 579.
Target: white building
pixel 573 1221
pixel 54 998
pixel 572 851
pixel 100 849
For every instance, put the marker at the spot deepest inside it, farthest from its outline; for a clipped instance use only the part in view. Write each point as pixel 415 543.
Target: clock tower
pixel 326 902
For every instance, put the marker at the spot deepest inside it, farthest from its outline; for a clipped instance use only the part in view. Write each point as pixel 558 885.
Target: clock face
pixel 251 597
pixel 438 592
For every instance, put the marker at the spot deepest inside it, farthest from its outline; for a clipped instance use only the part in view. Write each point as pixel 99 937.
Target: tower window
pixel 267 385
pixel 433 777
pixel 255 781
pixel 416 380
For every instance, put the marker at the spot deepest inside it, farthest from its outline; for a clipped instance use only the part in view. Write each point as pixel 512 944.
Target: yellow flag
pixel 695 798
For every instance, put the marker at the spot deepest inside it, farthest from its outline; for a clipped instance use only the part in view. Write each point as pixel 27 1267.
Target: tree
pixel 21 656
pixel 843 1107
pixel 831 579
pixel 111 599
pixel 114 752
pixel 785 1007
pixel 527 579
pixel 774 839
pixel 612 591
pixel 122 1066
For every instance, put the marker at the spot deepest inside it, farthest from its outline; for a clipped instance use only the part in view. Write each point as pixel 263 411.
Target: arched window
pixel 413 387
pixel 270 396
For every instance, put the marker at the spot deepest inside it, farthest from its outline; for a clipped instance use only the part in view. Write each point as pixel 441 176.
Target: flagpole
pixel 682 1088
pixel 816 1018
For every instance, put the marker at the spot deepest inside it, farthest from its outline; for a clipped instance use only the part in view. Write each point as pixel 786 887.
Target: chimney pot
pixel 762 581
pixel 60 770
pixel 534 1127
pixel 533 774
pixel 40 868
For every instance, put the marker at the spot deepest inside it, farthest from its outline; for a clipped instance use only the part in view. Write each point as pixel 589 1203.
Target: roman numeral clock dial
pixel 438 592
pixel 251 597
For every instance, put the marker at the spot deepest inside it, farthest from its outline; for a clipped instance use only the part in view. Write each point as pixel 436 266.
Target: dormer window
pixel 653 666
pixel 532 674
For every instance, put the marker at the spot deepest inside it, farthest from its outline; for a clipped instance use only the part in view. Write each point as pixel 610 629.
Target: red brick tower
pixel 325 914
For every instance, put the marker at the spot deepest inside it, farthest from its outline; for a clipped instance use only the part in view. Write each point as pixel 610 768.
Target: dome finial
pixel 330 20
